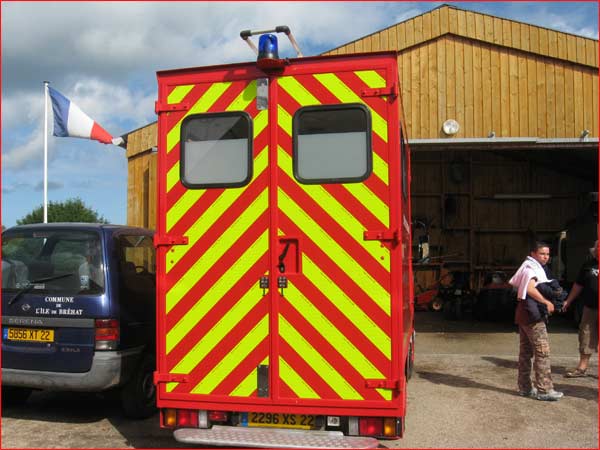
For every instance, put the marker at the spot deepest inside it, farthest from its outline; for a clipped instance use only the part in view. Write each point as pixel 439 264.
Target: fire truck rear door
pixel 336 233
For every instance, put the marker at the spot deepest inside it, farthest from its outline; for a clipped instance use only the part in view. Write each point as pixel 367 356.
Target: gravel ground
pixel 462 395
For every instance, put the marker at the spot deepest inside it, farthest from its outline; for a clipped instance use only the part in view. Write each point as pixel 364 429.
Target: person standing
pixel 586 286
pixel 533 335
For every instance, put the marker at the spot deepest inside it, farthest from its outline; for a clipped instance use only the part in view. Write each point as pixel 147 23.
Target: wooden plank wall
pixel 490 74
pixel 487 88
pixel 481 27
pixel 141 177
pixel 453 191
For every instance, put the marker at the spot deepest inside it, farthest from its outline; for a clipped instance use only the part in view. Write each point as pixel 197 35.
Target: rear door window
pixel 216 150
pixel 332 144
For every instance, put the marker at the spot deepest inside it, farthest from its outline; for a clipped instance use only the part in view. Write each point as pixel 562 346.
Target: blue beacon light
pixel 267 47
pixel 268 53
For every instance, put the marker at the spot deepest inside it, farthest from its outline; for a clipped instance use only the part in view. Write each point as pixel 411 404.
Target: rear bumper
pixel 109 369
pixel 271 438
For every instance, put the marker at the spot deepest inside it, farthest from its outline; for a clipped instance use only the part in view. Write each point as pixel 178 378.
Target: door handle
pixel 282 256
pixel 288 260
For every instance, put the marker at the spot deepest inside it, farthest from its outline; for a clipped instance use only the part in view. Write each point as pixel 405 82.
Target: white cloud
pixel 111 39
pixel 92 52
pixel 15 187
pixel 25 154
pixel 104 57
pixel 105 103
pixel 24 108
pixel 108 104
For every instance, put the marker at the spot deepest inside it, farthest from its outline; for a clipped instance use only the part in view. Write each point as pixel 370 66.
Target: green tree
pixel 71 210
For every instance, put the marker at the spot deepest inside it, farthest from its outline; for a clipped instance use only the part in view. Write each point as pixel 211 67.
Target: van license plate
pixel 301 421
pixel 28 334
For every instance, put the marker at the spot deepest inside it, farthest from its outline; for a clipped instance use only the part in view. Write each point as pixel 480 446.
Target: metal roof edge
pixel 509 140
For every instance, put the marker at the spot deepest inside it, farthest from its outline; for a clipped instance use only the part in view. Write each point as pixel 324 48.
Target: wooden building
pixel 141 176
pixel 524 160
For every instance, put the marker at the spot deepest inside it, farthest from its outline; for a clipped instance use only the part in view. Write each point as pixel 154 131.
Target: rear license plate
pixel 301 421
pixel 28 334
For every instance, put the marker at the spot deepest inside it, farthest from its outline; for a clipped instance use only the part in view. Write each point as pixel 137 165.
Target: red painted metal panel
pixel 290 325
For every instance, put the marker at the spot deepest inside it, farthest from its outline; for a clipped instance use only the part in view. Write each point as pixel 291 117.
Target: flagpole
pixel 45 151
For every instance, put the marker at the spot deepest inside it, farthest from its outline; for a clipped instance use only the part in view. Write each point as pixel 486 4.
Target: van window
pixel 57 262
pixel 216 150
pixel 332 144
pixel 138 265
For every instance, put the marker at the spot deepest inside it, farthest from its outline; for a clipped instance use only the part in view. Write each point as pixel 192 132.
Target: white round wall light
pixel 450 127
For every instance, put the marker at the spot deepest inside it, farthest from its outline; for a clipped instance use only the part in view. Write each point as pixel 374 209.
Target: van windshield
pixel 58 262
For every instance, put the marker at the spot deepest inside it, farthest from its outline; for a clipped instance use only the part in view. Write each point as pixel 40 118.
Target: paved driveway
pixel 463 394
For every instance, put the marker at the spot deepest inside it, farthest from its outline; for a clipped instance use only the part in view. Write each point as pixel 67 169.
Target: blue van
pixel 78 312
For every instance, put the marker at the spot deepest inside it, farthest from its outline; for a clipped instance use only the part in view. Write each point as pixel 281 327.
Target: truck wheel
pixel 13 396
pixel 138 396
pixel 410 358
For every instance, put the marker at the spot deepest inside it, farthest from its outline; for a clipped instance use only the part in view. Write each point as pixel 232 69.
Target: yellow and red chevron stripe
pixel 335 327
pixel 332 330
pixel 216 323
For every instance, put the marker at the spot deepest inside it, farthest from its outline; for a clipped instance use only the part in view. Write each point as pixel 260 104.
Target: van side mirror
pixel 424 247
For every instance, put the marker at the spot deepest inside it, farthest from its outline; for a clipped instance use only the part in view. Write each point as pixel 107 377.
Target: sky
pixel 104 56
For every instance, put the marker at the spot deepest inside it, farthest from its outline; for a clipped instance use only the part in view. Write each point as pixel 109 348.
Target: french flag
pixel 71 121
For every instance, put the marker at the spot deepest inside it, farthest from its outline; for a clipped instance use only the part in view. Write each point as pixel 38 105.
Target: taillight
pixel 390 427
pixel 187 418
pixel 370 426
pixel 107 334
pixel 169 418
pixel 217 416
pixel 379 426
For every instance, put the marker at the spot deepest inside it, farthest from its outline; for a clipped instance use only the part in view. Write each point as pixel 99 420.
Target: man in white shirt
pixel 533 335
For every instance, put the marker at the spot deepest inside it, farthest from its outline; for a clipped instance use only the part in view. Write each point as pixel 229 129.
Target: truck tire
pixel 13 396
pixel 138 395
pixel 410 358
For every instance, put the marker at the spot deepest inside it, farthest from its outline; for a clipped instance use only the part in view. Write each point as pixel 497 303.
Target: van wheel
pixel 13 396
pixel 138 396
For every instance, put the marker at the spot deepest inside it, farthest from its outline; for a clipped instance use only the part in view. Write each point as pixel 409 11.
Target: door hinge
pixel 170 378
pixel 392 91
pixel 170 107
pixel 381 235
pixel 383 384
pixel 166 240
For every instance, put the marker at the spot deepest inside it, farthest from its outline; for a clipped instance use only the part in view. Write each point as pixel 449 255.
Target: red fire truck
pixel 284 251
